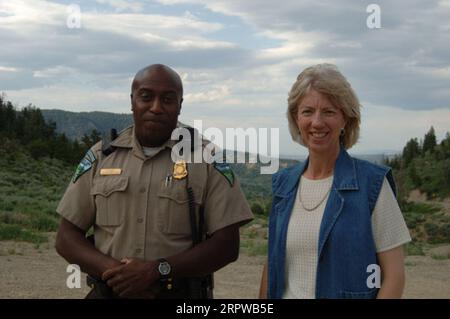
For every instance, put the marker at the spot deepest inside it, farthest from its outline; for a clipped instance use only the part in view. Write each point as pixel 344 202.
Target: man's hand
pixel 133 278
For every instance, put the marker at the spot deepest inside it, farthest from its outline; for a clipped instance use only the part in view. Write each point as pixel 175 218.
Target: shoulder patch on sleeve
pixel 226 171
pixel 85 165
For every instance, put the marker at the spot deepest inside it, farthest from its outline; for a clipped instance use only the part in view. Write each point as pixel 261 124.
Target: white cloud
pixel 411 43
pixel 54 72
pixel 41 45
pixel 387 128
pixel 74 98
pixel 441 72
pixel 21 16
pixel 135 25
pixel 228 80
pixel 215 94
pixel 24 17
pixel 121 5
pixel 7 69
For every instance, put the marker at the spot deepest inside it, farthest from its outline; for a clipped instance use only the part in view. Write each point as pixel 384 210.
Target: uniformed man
pixel 140 204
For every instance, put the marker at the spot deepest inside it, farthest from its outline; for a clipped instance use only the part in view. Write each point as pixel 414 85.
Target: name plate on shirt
pixel 110 171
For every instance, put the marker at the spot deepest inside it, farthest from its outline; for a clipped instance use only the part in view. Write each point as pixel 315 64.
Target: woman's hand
pixel 263 287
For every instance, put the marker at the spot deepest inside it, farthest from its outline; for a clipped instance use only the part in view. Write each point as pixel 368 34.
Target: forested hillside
pixel 424 165
pixel 36 164
pixel 76 125
pixel 37 161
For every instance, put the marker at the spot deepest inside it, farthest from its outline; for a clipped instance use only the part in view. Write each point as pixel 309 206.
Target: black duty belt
pixel 181 289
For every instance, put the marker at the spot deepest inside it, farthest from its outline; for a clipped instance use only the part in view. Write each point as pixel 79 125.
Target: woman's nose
pixel 317 119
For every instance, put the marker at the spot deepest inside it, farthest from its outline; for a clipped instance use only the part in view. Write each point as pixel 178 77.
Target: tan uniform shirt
pixel 139 212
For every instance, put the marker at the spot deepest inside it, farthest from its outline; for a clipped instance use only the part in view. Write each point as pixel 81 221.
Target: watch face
pixel 164 268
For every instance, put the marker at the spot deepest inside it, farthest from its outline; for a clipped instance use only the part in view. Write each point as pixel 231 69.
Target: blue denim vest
pixel 346 246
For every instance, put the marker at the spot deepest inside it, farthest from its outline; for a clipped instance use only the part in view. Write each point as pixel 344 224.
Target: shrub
pixel 43 223
pixel 257 209
pixel 16 232
pixel 414 249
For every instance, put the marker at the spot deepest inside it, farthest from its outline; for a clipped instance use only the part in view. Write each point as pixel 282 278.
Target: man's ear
pixel 181 103
pixel 131 100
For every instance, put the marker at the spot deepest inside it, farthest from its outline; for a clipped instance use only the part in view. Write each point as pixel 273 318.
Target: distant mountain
pixel 75 125
pixel 376 157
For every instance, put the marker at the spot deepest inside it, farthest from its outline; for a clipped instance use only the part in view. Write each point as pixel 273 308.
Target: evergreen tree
pixel 8 119
pixel 410 151
pixel 91 139
pixel 429 141
pixel 445 146
pixel 415 178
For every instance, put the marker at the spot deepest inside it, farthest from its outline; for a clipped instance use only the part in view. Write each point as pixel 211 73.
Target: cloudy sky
pixel 238 59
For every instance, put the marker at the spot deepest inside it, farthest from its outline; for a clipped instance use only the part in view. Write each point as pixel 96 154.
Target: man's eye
pixel 168 99
pixel 306 112
pixel 145 96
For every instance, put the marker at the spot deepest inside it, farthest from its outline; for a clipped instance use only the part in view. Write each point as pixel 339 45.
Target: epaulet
pixel 85 165
pixel 107 148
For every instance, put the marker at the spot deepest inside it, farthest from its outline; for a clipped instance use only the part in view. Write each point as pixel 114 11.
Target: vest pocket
pixel 372 294
pixel 110 199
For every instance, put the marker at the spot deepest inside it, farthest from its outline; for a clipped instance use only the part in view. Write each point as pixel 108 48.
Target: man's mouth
pixel 153 121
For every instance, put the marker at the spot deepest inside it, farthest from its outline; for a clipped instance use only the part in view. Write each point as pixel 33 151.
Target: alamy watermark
pixel 74 279
pixel 374 19
pixel 255 142
pixel 73 16
pixel 374 279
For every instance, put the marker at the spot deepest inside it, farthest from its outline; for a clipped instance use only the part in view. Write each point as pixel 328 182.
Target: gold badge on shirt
pixel 179 170
pixel 110 171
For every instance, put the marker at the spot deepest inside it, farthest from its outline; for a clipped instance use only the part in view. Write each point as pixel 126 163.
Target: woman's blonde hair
pixel 326 79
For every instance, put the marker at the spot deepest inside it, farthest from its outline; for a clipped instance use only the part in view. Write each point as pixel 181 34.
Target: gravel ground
pixel 27 271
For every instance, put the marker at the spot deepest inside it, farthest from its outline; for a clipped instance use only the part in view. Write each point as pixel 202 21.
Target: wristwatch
pixel 164 269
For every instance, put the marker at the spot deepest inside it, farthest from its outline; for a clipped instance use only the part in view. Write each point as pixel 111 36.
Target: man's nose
pixel 156 106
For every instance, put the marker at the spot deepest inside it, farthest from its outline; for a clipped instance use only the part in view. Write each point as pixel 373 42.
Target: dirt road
pixel 30 272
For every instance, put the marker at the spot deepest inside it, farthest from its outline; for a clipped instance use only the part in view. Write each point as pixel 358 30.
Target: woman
pixel 335 230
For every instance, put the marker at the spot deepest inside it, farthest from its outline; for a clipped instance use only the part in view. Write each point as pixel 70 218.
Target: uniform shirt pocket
pixel 173 207
pixel 109 194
